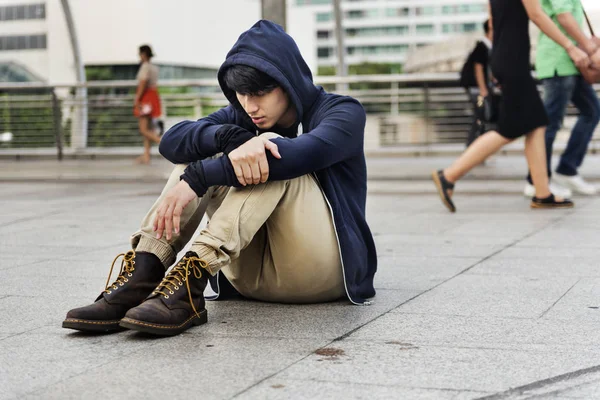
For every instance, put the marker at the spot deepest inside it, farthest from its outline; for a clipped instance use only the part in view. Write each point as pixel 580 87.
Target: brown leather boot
pixel 140 273
pixel 176 304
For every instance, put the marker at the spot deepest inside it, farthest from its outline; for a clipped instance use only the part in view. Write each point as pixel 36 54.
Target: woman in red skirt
pixel 147 102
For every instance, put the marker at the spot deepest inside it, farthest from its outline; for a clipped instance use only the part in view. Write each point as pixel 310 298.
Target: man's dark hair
pixel 486 26
pixel 145 49
pixel 248 80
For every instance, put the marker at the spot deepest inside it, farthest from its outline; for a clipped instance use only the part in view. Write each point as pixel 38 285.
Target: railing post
pixel 426 102
pixel 395 98
pixel 198 108
pixel 56 114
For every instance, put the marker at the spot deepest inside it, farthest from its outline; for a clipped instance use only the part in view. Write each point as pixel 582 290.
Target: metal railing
pixel 410 109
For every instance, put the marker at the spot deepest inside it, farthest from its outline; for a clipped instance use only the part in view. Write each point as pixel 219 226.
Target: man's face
pixel 268 109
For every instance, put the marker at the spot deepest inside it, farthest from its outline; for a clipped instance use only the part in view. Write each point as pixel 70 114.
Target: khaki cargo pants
pixel 274 241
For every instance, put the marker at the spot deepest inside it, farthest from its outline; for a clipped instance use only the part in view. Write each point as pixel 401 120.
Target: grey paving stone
pixel 389 246
pixel 582 303
pixel 564 237
pixel 23 313
pixel 479 369
pixel 275 388
pixel 207 366
pixel 40 358
pixel 505 296
pixel 23 281
pixel 418 273
pixel 532 267
pixel 548 253
pixel 408 330
pixel 330 320
pixel 586 391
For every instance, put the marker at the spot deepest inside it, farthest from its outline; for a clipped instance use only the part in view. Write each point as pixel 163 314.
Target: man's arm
pixel 190 141
pixel 546 25
pixel 480 78
pixel 338 137
pixel 569 23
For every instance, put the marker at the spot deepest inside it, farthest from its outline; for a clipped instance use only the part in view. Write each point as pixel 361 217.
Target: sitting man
pixel 286 210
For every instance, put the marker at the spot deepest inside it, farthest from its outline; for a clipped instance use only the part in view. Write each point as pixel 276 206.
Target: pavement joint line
pixel 561 391
pixel 27 331
pixel 559 299
pixel 522 390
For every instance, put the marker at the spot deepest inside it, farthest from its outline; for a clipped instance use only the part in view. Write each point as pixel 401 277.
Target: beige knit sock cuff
pixel 162 250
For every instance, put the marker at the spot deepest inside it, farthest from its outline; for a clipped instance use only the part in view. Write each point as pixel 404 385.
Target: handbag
pixel 591 73
pixel 487 108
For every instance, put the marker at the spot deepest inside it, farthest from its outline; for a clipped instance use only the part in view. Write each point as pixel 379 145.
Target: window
pixel 465 9
pixel 425 29
pixel 17 13
pixel 397 12
pixel 323 17
pixel 469 27
pixel 324 52
pixel 386 49
pixel 21 42
pixel 399 30
pixel 429 10
pixel 322 34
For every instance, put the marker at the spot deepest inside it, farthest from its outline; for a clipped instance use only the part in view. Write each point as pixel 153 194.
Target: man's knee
pixel 179 169
pixel 270 135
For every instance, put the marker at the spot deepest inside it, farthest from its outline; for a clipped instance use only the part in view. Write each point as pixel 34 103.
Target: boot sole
pixel 92 326
pixel 164 330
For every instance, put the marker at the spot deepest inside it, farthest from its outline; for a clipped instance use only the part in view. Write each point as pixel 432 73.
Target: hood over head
pixel 266 47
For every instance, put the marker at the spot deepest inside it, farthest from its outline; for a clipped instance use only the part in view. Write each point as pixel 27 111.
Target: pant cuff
pixel 162 250
pixel 209 255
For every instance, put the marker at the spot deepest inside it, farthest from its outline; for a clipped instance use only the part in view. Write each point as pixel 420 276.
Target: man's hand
pixel 250 160
pixel 578 56
pixel 168 215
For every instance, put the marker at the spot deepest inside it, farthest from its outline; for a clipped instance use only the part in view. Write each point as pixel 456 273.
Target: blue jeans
pixel 558 91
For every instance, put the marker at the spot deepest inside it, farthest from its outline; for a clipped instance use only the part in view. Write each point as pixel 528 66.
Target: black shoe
pixel 140 273
pixel 443 188
pixel 551 202
pixel 176 304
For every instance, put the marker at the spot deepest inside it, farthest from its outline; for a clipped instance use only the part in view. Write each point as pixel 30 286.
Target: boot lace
pixel 178 275
pixel 127 268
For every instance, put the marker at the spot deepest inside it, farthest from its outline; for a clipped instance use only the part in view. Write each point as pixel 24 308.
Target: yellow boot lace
pixel 127 268
pixel 175 278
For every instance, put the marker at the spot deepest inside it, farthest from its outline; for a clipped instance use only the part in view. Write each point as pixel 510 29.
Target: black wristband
pixel 229 137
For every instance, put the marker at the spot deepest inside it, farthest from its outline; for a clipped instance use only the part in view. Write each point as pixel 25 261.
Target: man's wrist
pixel 230 137
pixel 591 47
pixel 194 176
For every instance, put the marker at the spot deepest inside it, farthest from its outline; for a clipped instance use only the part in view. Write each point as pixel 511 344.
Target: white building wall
pixel 412 38
pixel 181 32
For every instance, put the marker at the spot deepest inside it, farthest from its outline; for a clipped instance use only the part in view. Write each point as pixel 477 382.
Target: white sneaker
pixel 556 190
pixel 576 183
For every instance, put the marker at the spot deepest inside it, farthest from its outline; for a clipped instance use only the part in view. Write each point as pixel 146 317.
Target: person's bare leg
pixel 146 130
pixel 483 147
pixel 535 151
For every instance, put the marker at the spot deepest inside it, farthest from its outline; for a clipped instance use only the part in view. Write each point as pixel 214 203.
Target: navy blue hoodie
pixel 330 146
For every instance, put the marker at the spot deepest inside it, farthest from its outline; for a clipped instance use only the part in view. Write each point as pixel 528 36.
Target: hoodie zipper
pixel 366 303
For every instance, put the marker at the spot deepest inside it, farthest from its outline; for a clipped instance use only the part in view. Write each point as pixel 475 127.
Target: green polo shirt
pixel 551 58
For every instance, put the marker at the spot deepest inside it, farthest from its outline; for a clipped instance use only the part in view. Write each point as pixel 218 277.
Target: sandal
pixel 443 186
pixel 551 202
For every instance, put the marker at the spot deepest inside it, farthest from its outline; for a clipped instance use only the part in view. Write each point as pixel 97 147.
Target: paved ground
pixel 496 301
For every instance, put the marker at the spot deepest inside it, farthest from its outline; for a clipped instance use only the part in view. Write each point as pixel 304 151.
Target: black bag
pixel 487 108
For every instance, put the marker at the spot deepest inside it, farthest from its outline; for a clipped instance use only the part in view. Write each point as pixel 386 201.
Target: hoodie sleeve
pixel 190 141
pixel 339 136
